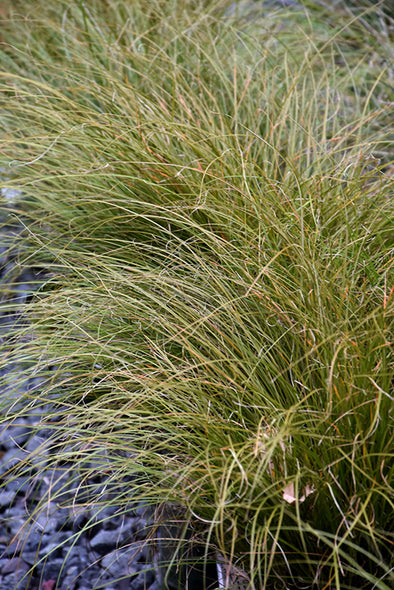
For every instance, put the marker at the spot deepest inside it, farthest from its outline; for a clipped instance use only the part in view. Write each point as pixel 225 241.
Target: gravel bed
pixel 43 545
pixel 51 547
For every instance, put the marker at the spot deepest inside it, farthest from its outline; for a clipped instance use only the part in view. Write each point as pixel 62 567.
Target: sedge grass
pixel 208 197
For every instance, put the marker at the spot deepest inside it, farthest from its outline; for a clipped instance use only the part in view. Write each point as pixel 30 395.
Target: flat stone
pixel 104 541
pixel 57 539
pixel 119 562
pixel 52 549
pixel 6 498
pixel 50 518
pixel 15 564
pixel 71 579
pixel 30 557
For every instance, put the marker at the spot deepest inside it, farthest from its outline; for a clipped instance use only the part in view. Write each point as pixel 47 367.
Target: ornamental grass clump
pixel 206 196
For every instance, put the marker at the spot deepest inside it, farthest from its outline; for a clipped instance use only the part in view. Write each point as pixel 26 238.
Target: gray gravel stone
pixel 6 498
pixel 15 574
pixel 32 541
pixel 143 580
pixel 104 542
pixel 52 549
pixel 11 458
pixel 15 564
pixel 119 561
pixel 16 525
pixel 71 578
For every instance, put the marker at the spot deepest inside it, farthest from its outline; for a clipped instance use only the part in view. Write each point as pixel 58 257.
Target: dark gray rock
pixel 13 565
pixel 53 550
pixel 70 580
pixel 143 580
pixel 78 554
pixel 119 562
pixel 15 574
pixel 23 486
pixel 47 519
pixel 32 541
pixel 53 567
pixel 104 542
pixel 6 498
